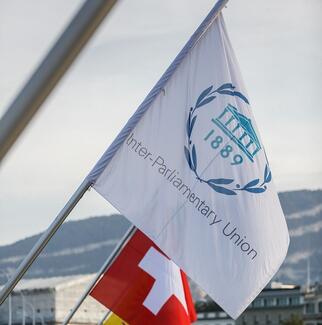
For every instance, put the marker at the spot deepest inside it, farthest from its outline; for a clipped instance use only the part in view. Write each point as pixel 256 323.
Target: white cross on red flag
pixel 143 286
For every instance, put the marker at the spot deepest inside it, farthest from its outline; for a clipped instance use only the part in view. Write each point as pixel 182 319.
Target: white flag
pixel 194 177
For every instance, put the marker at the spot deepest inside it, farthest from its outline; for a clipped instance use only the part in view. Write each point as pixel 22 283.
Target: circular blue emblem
pixel 239 129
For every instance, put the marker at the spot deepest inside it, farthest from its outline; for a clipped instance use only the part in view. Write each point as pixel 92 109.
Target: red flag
pixel 143 286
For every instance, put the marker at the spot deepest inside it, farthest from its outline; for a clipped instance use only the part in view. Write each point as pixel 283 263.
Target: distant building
pixel 313 306
pixel 50 299
pixel 272 306
pixel 209 313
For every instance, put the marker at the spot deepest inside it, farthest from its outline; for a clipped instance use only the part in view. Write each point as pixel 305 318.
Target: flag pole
pixel 111 150
pixel 51 70
pixel 34 93
pixel 43 240
pixel 116 252
pixel 109 153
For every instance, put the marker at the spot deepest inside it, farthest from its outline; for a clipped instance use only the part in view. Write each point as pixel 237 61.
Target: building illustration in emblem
pixel 239 129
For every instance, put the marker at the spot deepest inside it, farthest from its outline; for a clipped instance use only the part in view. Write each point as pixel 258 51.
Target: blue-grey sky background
pixel 277 43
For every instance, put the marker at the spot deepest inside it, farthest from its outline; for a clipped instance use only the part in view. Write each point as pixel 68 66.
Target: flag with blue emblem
pixel 193 175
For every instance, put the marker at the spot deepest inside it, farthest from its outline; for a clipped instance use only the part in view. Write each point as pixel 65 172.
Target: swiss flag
pixel 143 286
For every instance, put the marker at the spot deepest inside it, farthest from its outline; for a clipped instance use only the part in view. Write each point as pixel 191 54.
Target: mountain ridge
pixel 82 246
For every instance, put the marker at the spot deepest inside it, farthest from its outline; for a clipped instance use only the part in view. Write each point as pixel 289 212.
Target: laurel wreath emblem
pixel 226 186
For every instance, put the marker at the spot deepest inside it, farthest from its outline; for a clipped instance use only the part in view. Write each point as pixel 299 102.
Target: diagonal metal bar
pixel 117 250
pixel 93 175
pixel 51 70
pixel 21 111
pixel 43 240
pixel 109 153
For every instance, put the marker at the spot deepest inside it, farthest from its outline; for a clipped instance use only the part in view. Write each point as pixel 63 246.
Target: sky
pixel 278 47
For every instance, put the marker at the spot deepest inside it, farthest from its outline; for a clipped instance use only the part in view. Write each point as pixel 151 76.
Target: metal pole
pixel 41 317
pixel 51 70
pixel 23 309
pixel 107 156
pixel 9 301
pixel 10 310
pixel 43 240
pixel 128 235
pixel 33 313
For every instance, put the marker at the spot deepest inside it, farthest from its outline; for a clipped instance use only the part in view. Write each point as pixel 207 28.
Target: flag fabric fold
pixel 143 286
pixel 194 177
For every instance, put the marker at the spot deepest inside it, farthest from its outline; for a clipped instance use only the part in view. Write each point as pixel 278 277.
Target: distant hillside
pixel 303 210
pixel 81 247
